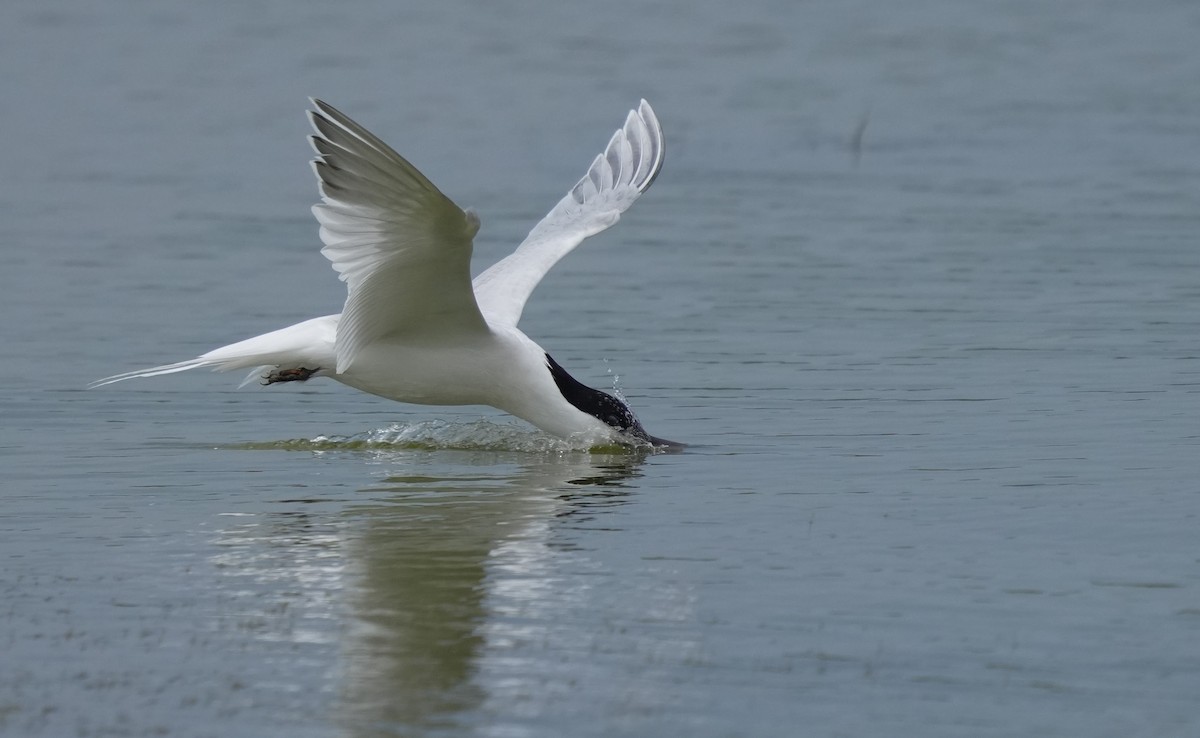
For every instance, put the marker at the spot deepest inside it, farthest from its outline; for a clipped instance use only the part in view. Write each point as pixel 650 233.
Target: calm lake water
pixel 919 284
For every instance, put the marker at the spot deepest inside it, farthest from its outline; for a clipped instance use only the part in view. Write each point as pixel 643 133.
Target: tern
pixel 415 327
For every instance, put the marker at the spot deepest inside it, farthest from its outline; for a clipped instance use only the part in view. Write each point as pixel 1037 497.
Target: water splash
pixel 479 435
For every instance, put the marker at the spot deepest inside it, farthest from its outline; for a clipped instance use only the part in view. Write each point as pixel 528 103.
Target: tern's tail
pixel 308 345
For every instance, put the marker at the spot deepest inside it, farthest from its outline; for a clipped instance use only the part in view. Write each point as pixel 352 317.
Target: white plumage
pixel 415 328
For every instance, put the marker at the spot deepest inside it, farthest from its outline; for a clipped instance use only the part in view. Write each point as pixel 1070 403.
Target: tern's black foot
pixel 289 375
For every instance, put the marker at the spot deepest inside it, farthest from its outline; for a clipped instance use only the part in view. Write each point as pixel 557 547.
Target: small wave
pixel 479 435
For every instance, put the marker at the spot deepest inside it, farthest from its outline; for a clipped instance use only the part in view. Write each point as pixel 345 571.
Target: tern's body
pixel 415 327
pixel 503 369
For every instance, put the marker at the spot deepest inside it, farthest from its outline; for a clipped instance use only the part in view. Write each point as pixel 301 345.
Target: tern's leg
pixel 289 375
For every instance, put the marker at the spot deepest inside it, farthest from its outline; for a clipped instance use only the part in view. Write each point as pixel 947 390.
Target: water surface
pixel 918 284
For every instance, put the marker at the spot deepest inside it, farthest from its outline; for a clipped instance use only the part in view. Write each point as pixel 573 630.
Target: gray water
pixel 918 283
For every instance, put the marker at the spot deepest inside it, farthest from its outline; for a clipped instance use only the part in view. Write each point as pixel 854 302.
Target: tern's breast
pixel 504 370
pixel 427 372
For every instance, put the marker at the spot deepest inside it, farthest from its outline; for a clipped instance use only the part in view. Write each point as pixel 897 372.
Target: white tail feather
pixel 308 344
pixel 179 366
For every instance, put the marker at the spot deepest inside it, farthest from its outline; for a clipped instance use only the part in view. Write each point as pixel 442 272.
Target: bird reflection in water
pixel 428 562
pixel 424 566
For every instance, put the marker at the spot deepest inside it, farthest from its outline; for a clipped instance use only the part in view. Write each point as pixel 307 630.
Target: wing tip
pixel 320 113
pixel 658 142
pixel 322 108
pixel 639 138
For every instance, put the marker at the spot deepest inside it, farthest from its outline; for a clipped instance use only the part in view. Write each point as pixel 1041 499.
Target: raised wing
pixel 401 246
pixel 616 178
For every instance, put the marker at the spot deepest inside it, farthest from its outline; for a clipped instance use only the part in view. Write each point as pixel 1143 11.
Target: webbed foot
pixel 289 375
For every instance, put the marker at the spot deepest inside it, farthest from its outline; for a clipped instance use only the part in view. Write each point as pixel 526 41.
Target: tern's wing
pixel 401 246
pixel 616 178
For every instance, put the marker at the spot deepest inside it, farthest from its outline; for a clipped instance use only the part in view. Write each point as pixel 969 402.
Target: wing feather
pixel 401 246
pixel 617 177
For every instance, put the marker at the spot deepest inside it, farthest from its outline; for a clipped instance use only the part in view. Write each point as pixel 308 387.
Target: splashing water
pixel 479 435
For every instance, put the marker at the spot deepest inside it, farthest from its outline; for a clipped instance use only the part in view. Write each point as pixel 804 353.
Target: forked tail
pixel 308 345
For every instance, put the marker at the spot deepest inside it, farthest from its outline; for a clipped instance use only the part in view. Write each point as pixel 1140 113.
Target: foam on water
pixel 478 435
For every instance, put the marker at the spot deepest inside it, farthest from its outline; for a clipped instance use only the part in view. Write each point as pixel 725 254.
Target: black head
pixel 601 405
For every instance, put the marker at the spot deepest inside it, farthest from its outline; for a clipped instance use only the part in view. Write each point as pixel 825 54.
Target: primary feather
pixel 401 246
pixel 613 182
